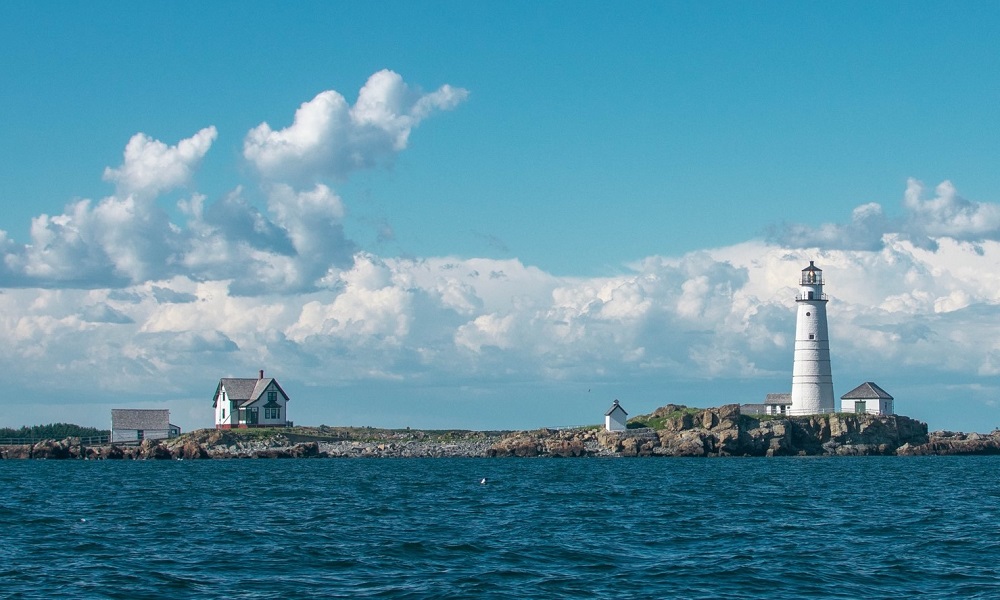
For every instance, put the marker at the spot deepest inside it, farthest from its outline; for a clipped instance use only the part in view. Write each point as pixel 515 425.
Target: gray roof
pixel 778 399
pixel 614 407
pixel 140 418
pixel 245 390
pixel 867 391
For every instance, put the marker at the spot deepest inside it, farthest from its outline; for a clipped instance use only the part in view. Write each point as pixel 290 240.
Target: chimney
pixel 261 374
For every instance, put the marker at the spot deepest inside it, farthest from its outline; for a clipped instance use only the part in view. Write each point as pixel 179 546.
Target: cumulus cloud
pixel 295 243
pixel 924 222
pixel 330 138
pixel 947 214
pixel 112 243
pixel 151 167
pixel 864 232
pixel 125 240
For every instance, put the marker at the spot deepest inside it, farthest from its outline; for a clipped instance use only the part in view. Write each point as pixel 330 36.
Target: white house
pixel 137 424
pixel 614 419
pixel 248 402
pixel 867 398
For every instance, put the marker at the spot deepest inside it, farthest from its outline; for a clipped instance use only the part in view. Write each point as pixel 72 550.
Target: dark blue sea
pixel 540 528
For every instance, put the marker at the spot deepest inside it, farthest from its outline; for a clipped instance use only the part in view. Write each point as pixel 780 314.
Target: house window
pixel 272 413
pixel 139 434
pixel 223 413
pixel 272 397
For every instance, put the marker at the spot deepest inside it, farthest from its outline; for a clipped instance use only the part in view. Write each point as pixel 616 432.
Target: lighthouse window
pixel 808 314
pixel 811 336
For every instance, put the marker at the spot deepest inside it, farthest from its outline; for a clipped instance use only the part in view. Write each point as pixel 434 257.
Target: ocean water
pixel 875 527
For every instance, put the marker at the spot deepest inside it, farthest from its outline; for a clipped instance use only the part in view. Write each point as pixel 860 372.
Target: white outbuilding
pixel 867 398
pixel 615 418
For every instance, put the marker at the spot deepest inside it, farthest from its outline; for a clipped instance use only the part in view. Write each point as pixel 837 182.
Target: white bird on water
pixel 482 481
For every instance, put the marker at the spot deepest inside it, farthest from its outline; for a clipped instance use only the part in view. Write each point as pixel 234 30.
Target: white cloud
pixel 949 215
pixel 864 232
pixel 297 244
pixel 330 138
pixel 925 220
pixel 151 167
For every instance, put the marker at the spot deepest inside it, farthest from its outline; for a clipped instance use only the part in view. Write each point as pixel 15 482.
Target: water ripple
pixel 876 527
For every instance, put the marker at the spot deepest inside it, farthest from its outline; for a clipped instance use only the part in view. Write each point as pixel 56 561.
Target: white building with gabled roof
pixel 616 417
pixel 867 398
pixel 248 402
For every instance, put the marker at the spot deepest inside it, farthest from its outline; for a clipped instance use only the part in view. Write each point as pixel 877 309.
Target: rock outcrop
pixel 943 443
pixel 561 443
pixel 725 431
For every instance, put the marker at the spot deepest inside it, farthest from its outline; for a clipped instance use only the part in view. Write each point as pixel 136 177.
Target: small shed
pixel 867 398
pixel 777 404
pixel 615 418
pixel 137 424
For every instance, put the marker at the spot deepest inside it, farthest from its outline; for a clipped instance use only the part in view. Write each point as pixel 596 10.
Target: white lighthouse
pixel 812 380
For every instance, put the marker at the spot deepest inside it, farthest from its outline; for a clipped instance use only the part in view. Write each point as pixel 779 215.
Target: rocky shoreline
pixel 670 431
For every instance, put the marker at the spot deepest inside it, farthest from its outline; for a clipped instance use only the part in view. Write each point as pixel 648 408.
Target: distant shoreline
pixel 670 431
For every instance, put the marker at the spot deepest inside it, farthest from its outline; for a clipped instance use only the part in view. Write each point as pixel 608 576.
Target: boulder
pixel 191 450
pixel 153 450
pixel 565 448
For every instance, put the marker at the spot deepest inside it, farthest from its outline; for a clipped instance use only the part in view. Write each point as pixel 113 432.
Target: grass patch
pixel 656 420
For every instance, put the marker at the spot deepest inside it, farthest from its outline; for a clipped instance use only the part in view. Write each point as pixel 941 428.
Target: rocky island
pixel 671 431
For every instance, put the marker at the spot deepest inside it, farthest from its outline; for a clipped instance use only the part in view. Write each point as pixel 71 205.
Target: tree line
pixel 52 431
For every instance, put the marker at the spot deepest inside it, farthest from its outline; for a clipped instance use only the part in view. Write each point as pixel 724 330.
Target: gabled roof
pixel 140 418
pixel 615 407
pixel 778 399
pixel 867 391
pixel 245 390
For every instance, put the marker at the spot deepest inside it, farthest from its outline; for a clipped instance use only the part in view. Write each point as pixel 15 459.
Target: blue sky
pixel 647 178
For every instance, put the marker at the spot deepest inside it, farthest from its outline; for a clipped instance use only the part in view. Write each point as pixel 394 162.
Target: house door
pixel 251 416
pixel 859 406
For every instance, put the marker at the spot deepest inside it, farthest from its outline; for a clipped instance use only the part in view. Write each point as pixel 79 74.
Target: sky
pixel 494 215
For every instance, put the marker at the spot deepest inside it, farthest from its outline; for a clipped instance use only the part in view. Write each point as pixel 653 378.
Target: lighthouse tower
pixel 812 380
